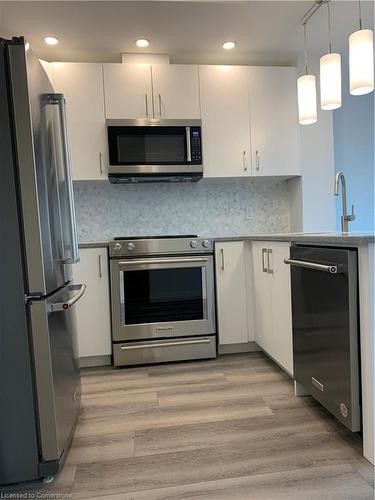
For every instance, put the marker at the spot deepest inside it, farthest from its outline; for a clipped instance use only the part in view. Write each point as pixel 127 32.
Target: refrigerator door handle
pixel 64 306
pixel 59 100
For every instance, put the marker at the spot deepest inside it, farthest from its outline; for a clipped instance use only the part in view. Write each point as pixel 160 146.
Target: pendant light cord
pixel 360 14
pixel 329 27
pixel 305 42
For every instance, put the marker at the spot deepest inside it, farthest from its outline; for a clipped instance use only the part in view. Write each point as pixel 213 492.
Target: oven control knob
pixel 206 243
pixel 193 243
pixel 130 247
pixel 117 247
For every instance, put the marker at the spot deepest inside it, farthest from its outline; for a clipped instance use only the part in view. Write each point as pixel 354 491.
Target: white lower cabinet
pixel 272 297
pixel 93 309
pixel 231 293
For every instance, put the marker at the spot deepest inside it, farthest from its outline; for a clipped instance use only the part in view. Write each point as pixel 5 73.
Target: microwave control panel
pixel 196 145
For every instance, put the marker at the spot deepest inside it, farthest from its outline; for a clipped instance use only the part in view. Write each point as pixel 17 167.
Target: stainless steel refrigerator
pixel 39 376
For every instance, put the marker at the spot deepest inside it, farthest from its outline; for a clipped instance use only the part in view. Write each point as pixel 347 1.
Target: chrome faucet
pixel 345 218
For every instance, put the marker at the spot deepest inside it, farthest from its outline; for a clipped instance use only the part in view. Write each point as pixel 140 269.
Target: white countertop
pixel 351 239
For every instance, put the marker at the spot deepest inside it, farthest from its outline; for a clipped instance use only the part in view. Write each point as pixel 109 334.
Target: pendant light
pixel 361 59
pixel 306 89
pixel 330 75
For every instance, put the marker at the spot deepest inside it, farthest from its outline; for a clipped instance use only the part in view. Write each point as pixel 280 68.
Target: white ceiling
pixel 267 32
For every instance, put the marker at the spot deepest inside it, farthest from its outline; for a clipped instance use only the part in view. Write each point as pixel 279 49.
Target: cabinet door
pixel 176 91
pixel 262 297
pixel 225 121
pixel 48 68
pixel 93 310
pixel 82 86
pixel 274 121
pixel 127 90
pixel 281 293
pixel 231 293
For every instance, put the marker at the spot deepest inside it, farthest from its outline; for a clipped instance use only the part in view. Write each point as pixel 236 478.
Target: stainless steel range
pixel 163 305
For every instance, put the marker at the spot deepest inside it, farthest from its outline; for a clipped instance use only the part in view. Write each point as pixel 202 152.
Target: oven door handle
pixel 165 344
pixel 178 260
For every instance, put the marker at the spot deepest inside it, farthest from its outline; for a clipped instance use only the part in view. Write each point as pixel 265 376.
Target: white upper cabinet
pixel 176 91
pixel 225 121
pixel 157 91
pixel 82 86
pixel 274 121
pixel 48 68
pixel 128 91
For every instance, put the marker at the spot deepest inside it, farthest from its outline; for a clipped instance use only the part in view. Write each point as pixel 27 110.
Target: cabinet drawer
pixel 156 351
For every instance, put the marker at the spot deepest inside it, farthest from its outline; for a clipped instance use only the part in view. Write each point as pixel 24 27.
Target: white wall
pixel 312 202
pixel 354 154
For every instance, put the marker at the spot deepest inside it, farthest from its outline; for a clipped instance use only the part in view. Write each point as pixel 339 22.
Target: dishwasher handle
pixel 314 265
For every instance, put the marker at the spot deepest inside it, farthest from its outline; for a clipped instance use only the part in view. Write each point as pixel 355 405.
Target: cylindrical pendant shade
pixel 361 62
pixel 330 81
pixel 307 111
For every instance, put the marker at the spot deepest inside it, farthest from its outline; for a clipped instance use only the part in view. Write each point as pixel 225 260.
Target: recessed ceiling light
pixel 27 46
pixel 51 40
pixel 228 45
pixel 142 42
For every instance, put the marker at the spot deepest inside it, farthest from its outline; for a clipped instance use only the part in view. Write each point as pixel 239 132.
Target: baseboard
pixel 237 348
pixel 89 361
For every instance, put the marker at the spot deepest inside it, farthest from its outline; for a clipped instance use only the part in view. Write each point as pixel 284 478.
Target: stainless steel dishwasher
pixel 325 328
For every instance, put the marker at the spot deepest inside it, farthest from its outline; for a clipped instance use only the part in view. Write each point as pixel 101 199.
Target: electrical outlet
pixel 249 213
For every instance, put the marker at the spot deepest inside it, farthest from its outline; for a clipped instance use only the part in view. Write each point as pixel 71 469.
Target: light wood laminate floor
pixel 229 428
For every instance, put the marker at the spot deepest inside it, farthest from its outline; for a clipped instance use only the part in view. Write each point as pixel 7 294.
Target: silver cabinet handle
pixel 146 103
pixel 177 260
pixel 244 160
pixel 100 163
pixel 160 105
pixel 257 160
pixel 165 344
pixel 264 251
pixel 269 252
pixel 59 99
pixel 188 145
pixel 314 265
pixel 222 259
pixel 100 266
pixel 64 306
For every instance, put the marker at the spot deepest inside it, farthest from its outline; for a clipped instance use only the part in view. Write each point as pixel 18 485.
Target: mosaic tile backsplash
pixel 209 207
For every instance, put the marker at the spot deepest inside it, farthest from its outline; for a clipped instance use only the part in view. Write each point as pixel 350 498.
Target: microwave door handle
pixel 59 99
pixel 188 145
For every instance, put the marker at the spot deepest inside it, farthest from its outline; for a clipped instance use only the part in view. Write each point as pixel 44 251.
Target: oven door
pixel 162 297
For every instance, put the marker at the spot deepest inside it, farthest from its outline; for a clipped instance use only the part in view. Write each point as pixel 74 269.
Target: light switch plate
pixel 249 213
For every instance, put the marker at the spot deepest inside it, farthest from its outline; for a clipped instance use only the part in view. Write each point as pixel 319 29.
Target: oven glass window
pixel 150 145
pixel 163 295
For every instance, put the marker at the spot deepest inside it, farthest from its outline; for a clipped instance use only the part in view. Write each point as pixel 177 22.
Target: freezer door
pixel 42 158
pixel 53 327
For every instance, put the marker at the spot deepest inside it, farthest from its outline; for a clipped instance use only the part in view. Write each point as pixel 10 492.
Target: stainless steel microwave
pixel 154 150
